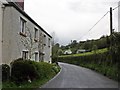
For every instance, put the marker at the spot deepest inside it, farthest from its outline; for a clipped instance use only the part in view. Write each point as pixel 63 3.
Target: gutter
pixel 26 15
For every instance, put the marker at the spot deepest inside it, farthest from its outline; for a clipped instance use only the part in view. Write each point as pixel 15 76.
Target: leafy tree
pixel 94 48
pixel 59 52
pixel 55 49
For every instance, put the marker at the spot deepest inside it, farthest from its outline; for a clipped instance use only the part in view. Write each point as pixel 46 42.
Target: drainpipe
pixel 3 8
pixel 3 13
pixel 1 41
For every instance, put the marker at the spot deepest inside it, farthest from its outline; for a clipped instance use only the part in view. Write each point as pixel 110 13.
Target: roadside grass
pixel 36 83
pixel 86 53
pixel 109 71
pixel 26 85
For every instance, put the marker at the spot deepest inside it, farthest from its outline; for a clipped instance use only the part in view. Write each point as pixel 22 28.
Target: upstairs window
pixel 22 27
pixel 36 34
pixel 48 42
pixel 44 40
pixel 25 55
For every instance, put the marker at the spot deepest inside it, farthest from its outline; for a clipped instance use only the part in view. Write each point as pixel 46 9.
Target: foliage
pixel 55 49
pixel 56 68
pixel 9 85
pixel 5 72
pixel 26 73
pixel 89 45
pixel 60 52
pixel 23 70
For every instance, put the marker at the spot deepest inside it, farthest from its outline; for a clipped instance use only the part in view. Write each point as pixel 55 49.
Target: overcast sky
pixel 71 19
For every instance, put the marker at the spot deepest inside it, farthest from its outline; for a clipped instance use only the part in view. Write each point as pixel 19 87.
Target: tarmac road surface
pixel 72 76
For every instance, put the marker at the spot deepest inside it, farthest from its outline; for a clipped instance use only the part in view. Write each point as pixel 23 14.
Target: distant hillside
pixel 88 45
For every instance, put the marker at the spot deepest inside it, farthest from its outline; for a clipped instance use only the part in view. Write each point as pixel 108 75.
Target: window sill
pixel 44 44
pixel 41 53
pixel 23 34
pixel 36 40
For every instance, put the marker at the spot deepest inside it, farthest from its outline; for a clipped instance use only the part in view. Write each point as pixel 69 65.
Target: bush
pixel 56 68
pixel 43 69
pixel 5 72
pixel 22 70
pixel 37 72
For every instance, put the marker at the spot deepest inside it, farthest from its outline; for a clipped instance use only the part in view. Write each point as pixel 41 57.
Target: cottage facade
pixel 21 36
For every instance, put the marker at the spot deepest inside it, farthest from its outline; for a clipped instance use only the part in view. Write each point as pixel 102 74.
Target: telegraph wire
pixel 116 7
pixel 95 24
pixel 99 21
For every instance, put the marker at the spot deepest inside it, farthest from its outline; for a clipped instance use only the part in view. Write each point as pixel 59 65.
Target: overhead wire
pixel 99 21
pixel 116 7
pixel 95 24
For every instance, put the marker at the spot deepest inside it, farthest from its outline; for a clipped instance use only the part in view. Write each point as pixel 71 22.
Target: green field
pixel 87 53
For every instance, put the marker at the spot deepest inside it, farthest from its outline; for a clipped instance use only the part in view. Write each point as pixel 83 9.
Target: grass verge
pixel 37 83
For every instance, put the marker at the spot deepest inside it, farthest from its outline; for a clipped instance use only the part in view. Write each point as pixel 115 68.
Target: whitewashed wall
pixel 12 46
pixel 1 13
pixel 47 50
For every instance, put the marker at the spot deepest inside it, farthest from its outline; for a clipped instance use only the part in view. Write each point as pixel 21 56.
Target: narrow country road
pixel 72 76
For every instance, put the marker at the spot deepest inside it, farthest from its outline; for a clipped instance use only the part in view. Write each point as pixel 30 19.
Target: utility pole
pixel 111 24
pixel 111 32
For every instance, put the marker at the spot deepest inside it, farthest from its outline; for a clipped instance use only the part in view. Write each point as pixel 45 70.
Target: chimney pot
pixel 20 3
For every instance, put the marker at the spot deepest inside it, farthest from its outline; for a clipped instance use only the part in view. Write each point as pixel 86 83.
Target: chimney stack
pixel 20 3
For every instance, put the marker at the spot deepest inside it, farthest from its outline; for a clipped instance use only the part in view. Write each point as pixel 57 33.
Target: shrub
pixel 43 69
pixel 22 70
pixel 5 72
pixel 56 68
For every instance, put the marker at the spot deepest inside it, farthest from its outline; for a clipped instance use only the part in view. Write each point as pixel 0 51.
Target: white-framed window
pixel 22 26
pixel 44 40
pixel 35 34
pixel 25 54
pixel 48 42
pixel 36 56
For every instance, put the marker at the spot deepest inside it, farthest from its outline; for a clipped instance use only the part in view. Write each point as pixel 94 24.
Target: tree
pixel 94 48
pixel 59 52
pixel 55 49
pixel 73 44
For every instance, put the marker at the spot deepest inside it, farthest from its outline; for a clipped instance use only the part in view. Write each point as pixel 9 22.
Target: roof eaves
pixel 26 15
